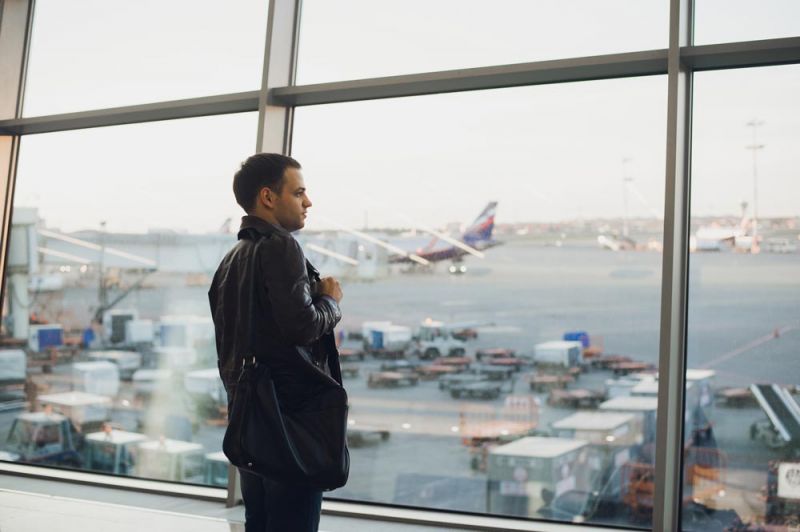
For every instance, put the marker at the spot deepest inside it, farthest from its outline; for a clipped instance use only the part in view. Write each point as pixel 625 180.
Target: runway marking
pixel 777 333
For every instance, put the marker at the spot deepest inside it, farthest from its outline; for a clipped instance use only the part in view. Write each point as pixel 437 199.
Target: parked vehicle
pixel 391 379
pixel 559 353
pixel 86 410
pixel 44 438
pixel 383 339
pixel 111 451
pixel 165 459
pixel 436 339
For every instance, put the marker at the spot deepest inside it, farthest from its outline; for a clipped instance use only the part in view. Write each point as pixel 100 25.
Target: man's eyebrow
pixel 301 189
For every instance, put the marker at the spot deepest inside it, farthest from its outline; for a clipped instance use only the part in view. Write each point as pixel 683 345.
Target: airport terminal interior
pixel 567 235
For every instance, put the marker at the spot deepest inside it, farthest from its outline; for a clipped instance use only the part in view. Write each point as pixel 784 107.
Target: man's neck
pixel 267 217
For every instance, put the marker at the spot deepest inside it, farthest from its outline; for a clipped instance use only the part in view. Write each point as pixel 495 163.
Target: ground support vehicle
pixel 382 339
pixel 44 438
pixel 462 363
pixel 166 459
pixel 514 364
pixel 735 397
pixel 391 379
pixel 436 339
pixel 216 469
pixel 542 383
pixel 361 435
pixel 494 352
pixel 349 369
pixel 783 494
pixel 404 366
pixel 495 373
pixel 558 354
pixel 111 451
pixel 476 390
pixel 446 382
pixel 781 429
pixel 622 369
pixel 525 473
pixel 351 355
pixel 481 437
pixel 604 361
pixel 433 372
pixel 580 398
pixel 87 411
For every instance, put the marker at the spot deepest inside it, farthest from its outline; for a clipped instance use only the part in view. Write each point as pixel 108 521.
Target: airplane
pixel 477 238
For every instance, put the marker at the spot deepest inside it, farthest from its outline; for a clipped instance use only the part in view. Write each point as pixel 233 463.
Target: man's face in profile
pixel 292 202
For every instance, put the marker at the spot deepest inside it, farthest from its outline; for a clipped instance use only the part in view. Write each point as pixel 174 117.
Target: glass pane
pixel 742 417
pixel 108 360
pixel 472 384
pixel 108 53
pixel 355 39
pixel 718 21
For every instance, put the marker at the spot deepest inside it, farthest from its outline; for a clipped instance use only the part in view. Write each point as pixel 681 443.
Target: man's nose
pixel 308 202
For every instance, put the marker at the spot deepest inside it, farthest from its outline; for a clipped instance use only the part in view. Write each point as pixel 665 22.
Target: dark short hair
pixel 259 171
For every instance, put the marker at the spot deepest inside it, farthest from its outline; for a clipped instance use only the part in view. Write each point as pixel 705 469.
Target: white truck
pixel 383 339
pixel 436 339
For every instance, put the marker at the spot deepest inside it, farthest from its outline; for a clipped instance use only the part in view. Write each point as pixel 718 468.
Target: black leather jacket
pixel 292 326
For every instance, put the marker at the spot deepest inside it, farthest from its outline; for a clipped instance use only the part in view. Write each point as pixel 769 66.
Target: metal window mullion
pixel 280 58
pixel 15 25
pixel 674 284
pixel 274 121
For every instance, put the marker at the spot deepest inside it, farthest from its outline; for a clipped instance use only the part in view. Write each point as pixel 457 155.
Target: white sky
pixel 546 153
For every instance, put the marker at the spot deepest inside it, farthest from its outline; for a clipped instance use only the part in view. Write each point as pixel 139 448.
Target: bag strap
pixel 250 356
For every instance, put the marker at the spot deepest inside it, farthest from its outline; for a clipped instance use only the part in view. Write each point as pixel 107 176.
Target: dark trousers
pixel 273 507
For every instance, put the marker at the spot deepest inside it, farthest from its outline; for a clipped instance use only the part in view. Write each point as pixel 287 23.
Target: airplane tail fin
pixel 481 229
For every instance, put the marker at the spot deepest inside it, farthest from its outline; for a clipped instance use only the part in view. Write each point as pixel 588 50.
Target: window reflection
pixel 742 413
pixel 107 355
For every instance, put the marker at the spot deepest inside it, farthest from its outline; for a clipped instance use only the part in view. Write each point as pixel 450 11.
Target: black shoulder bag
pixel 306 446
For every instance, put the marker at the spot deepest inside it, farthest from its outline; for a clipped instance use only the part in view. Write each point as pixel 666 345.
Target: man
pixel 292 312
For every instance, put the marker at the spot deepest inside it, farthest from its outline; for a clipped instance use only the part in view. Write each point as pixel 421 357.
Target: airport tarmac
pixel 518 296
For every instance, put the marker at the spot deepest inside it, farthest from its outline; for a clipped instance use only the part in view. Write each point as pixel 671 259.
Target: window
pixel 558 191
pixel 356 39
pixel 97 53
pixel 742 414
pixel 118 231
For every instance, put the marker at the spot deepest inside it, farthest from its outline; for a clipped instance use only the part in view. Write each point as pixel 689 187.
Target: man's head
pixel 270 186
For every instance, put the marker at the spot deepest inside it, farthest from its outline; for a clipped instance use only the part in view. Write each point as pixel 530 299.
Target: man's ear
pixel 266 197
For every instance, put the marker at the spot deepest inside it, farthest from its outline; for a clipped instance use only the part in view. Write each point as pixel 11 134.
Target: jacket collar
pixel 253 224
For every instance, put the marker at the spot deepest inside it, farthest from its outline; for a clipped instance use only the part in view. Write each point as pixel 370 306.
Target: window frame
pixel 275 102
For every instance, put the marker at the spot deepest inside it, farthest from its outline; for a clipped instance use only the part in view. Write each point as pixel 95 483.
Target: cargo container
pixel 176 460
pixel 560 353
pixel 524 474
pixel 127 362
pixel 101 378
pixel 383 338
pixel 111 451
pixel 42 337
pixel 644 408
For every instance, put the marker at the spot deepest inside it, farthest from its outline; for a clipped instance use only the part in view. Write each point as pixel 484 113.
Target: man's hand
pixel 328 286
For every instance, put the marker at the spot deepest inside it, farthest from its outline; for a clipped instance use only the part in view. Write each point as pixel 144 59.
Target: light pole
pixel 754 123
pixel 625 180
